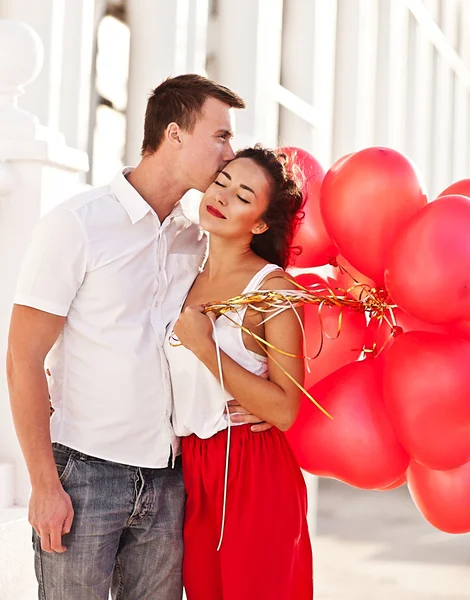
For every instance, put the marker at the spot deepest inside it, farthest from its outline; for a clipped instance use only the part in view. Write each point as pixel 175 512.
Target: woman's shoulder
pixel 278 279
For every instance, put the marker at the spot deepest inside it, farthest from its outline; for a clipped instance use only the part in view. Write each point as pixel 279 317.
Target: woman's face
pixel 234 203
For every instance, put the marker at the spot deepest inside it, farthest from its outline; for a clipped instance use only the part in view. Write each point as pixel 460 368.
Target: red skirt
pixel 266 551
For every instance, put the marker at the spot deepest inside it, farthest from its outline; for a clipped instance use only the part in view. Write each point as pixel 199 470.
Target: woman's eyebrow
pixel 245 187
pixel 242 185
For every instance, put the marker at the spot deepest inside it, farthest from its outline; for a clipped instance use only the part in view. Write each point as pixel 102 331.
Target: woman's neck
pixel 225 256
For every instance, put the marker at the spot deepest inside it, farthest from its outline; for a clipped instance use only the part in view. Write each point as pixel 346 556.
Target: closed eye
pixel 218 183
pixel 243 200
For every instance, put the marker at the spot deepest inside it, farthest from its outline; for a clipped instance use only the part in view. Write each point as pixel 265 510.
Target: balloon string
pixel 372 301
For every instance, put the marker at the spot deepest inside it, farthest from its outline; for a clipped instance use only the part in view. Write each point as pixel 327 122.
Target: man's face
pixel 207 149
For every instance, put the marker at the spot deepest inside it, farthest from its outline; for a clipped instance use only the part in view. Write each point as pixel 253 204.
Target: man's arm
pixel 32 334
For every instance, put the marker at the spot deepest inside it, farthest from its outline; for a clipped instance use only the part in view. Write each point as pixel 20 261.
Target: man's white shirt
pixel 104 260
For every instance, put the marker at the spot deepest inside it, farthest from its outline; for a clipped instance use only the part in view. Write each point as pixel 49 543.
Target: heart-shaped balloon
pixel 380 334
pixel 396 484
pixel 338 334
pixel 428 268
pixel 359 446
pixel 311 236
pixel 462 188
pixel 348 278
pixel 365 201
pixel 442 497
pixel 427 394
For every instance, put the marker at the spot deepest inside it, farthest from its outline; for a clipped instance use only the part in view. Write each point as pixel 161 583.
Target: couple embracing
pixel 164 461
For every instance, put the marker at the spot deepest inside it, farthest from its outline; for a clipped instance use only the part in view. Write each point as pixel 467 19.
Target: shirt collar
pixel 135 206
pixel 128 196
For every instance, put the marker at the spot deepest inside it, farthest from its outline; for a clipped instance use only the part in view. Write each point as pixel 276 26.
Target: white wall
pixel 351 74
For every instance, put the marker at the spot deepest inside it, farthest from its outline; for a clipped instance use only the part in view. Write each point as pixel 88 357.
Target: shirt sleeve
pixel 54 265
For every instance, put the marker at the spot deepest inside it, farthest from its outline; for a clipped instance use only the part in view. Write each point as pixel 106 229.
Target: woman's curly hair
pixel 283 214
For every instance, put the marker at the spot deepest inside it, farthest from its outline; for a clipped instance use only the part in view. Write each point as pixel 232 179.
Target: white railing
pixel 439 40
pixel 357 91
pixel 37 170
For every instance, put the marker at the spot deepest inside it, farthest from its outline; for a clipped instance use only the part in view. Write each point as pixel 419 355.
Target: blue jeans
pixel 127 532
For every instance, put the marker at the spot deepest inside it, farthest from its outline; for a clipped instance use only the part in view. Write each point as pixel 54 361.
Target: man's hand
pixel 238 414
pixel 51 515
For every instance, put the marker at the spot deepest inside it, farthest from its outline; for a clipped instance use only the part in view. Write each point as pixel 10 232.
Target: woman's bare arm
pixel 276 399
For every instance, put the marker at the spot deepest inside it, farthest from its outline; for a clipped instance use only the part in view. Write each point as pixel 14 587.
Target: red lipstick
pixel 214 212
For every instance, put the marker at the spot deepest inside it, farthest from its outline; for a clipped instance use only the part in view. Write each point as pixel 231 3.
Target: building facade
pixel 330 76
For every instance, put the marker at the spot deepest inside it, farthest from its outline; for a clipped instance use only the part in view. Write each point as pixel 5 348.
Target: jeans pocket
pixel 63 458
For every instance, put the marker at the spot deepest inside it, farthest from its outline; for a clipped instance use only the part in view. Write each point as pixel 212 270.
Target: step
pixel 17 580
pixel 7 484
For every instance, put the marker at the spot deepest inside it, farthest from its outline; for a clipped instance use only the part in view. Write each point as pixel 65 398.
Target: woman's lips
pixel 214 212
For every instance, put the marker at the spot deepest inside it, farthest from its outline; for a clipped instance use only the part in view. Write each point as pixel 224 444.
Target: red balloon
pixel 309 279
pixel 341 160
pixel 426 391
pixel 428 270
pixel 396 484
pixel 365 201
pixel 460 329
pixel 337 350
pixel 359 446
pixel 409 323
pixel 442 497
pixel 382 335
pixel 462 188
pixel 348 277
pixel 317 247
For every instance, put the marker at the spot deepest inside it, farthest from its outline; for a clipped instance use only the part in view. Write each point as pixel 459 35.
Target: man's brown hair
pixel 180 100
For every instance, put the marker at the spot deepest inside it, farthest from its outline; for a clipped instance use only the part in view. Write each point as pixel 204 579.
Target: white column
pixel 324 57
pixel 392 61
pixel 441 172
pixel 433 8
pixel 47 19
pixel 197 36
pixel 308 67
pixel 367 72
pixel 248 57
pixel 462 123
pixel 159 42
pixel 77 68
pixel 297 72
pixel 461 128
pixel 355 76
pixel 420 100
pixel 37 170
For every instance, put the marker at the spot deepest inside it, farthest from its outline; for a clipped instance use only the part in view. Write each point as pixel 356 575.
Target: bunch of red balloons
pixel 401 414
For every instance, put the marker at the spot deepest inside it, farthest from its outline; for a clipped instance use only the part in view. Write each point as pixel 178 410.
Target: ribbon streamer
pixel 372 301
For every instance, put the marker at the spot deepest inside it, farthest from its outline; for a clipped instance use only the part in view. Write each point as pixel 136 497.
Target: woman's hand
pixel 194 330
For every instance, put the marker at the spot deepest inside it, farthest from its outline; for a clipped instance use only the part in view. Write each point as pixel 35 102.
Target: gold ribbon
pixel 372 301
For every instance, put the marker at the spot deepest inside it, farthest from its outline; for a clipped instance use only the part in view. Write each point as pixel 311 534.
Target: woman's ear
pixel 260 227
pixel 173 134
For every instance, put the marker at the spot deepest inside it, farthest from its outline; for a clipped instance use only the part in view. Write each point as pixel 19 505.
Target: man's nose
pixel 229 154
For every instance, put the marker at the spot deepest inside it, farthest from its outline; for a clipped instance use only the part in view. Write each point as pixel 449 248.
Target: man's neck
pixel 158 185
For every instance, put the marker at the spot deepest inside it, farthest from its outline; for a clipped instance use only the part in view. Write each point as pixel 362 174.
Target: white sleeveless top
pixel 198 398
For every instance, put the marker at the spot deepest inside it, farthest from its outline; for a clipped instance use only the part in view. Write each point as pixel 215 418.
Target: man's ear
pixel 173 134
pixel 260 227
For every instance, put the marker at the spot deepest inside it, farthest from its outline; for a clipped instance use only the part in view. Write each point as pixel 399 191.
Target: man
pixel 103 276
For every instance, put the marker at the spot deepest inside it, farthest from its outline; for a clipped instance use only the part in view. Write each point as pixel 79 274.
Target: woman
pixel 251 212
